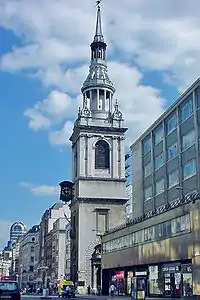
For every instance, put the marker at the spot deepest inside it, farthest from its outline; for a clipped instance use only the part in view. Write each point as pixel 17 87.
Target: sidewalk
pixel 96 297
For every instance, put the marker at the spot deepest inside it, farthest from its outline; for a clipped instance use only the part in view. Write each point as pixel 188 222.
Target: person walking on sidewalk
pixel 112 290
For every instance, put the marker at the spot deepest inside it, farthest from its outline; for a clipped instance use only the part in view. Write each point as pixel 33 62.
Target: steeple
pixel 98 89
pixel 98 33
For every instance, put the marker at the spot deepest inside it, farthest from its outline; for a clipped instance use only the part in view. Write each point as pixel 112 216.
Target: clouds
pixel 140 104
pixel 41 190
pixel 162 37
pixel 142 37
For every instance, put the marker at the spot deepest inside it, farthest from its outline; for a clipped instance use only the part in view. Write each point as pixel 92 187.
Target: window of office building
pixel 160 186
pixel 171 124
pixel 147 169
pixel 148 193
pixel 159 161
pixel 189 169
pixel 187 110
pixel 198 97
pixel 188 139
pixel 172 151
pixel 146 146
pixel 156 232
pixel 173 178
pixel 158 135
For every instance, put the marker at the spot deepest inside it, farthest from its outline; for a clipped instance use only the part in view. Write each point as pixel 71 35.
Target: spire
pixel 98 33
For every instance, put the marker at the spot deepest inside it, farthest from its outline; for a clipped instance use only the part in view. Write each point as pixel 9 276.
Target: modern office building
pixel 161 244
pixel 17 230
pixel 166 157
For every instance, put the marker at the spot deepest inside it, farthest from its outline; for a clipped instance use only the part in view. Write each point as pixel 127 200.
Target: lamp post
pixel 45 290
pixel 20 277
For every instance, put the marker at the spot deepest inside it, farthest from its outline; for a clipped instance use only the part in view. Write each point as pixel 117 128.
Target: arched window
pixel 102 155
pixel 17 228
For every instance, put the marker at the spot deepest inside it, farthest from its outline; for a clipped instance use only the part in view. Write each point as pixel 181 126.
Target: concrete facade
pixel 166 156
pixel 145 243
pixel 98 175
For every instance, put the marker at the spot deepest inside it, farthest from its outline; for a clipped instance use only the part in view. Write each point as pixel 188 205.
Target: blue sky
pixel 153 55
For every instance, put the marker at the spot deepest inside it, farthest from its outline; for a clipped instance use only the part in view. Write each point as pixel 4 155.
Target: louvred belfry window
pixel 102 155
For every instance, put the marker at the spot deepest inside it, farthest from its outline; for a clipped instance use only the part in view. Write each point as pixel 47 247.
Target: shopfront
pixel 170 280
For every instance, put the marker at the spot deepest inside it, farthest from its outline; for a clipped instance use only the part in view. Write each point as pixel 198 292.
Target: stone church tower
pixel 98 166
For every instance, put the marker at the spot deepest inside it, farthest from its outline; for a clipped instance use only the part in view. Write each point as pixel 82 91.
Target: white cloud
pixel 140 104
pixel 161 36
pixel 61 137
pixel 4 232
pixel 157 35
pixel 49 111
pixel 41 190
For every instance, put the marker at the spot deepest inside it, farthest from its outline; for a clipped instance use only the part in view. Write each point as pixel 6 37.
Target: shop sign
pixel 170 269
pixel 186 268
pixel 141 273
pixel 120 275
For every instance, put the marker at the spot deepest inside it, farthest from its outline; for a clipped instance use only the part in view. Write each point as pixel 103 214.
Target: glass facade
pixel 188 139
pixel 146 146
pixel 186 110
pixel 172 151
pixel 160 186
pixel 159 161
pixel 157 232
pixel 158 135
pixel 189 169
pixel 173 178
pixel 171 124
pixel 147 169
pixel 148 193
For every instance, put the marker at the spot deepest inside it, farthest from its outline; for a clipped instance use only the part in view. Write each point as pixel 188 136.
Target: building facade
pixel 166 157
pixel 15 268
pixel 28 259
pixel 59 249
pixel 162 249
pixel 98 165
pixel 161 242
pixel 49 239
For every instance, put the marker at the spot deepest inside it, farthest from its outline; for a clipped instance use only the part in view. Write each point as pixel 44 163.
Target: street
pixel 81 297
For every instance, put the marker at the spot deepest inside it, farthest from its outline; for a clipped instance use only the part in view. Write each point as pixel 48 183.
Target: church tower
pixel 98 166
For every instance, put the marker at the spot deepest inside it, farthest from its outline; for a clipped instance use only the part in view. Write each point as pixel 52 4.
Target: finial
pixel 116 102
pixel 98 2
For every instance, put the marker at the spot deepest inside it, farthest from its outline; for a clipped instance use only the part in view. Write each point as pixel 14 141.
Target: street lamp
pixel 45 290
pixel 20 277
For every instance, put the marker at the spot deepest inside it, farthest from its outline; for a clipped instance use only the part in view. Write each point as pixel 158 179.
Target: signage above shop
pixel 170 269
pixel 141 273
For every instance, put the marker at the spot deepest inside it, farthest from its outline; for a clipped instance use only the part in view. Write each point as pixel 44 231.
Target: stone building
pixel 52 246
pixel 98 166
pixel 28 258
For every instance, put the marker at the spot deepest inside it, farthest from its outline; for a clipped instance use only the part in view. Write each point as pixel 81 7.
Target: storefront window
pixel 120 283
pixel 178 224
pixel 187 280
pixel 129 278
pixel 154 282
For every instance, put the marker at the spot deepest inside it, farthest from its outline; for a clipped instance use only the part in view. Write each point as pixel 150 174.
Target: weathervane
pixel 98 2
